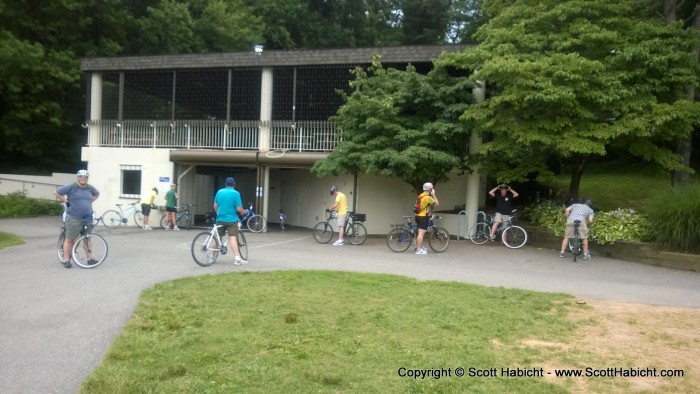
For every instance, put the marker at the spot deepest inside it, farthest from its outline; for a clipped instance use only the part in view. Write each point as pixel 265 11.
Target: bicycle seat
pixel 407 217
pixel 119 205
pixel 577 222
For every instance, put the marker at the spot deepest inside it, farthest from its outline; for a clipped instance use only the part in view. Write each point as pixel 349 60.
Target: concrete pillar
pixel 95 109
pixel 471 205
pixel 265 109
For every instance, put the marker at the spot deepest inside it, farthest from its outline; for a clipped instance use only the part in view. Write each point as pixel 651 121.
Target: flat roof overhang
pixel 246 158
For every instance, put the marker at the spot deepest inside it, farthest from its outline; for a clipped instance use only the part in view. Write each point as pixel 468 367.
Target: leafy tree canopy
pixel 570 78
pixel 401 124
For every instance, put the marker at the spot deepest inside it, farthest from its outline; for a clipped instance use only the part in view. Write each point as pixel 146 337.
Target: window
pixel 131 182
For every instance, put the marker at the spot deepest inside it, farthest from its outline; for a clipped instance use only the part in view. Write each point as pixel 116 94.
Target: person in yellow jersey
pixel 341 207
pixel 146 204
pixel 427 199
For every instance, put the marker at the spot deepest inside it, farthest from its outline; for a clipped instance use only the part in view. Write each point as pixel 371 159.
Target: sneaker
pixel 239 261
pixel 147 228
pixel 92 262
pixel 176 228
pixel 587 256
pixel 562 254
pixel 167 229
pixel 67 264
pixel 421 251
pixel 493 238
pixel 339 243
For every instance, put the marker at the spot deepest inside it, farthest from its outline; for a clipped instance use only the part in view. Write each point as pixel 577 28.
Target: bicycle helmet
pixel 333 189
pixel 503 186
pixel 83 173
pixel 427 186
pixel 586 201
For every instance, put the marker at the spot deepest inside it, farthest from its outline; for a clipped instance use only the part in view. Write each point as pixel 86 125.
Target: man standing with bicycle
pixel 582 212
pixel 341 207
pixel 227 206
pixel 78 197
pixel 427 200
pixel 504 208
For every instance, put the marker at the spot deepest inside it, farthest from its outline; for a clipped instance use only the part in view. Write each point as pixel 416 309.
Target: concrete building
pixel 261 117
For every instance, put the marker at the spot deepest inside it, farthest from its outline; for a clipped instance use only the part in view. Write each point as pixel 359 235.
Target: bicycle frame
pixel 205 255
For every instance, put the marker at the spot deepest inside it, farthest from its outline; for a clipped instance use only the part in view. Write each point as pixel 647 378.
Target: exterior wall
pixel 34 186
pixel 104 165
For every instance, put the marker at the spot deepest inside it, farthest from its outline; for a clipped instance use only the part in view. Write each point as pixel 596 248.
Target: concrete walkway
pixel 57 323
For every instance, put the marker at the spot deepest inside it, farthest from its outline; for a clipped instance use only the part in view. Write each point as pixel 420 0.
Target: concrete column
pixel 95 109
pixel 266 189
pixel 265 108
pixel 473 179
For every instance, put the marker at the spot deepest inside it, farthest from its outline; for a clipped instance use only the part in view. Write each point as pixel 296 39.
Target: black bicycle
pixel 182 218
pixel 575 243
pixel 355 231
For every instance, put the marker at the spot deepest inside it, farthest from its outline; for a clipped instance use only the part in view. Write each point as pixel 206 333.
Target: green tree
pixel 401 124
pixel 571 79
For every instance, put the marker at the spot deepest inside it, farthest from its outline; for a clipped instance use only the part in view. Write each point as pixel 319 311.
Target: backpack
pixel 416 208
pixel 74 187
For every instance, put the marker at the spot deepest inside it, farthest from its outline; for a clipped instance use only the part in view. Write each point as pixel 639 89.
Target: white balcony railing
pixel 304 136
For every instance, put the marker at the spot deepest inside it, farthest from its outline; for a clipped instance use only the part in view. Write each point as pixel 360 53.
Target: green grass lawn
pixel 7 239
pixel 319 331
pixel 618 185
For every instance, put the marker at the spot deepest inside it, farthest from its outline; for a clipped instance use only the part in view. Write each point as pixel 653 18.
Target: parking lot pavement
pixel 57 323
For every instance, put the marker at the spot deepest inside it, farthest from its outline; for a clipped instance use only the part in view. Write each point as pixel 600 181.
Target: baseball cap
pixel 230 181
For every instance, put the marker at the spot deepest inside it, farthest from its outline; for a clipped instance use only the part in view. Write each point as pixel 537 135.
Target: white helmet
pixel 427 186
pixel 82 173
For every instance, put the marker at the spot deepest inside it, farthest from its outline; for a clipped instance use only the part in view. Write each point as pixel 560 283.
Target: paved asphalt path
pixel 57 323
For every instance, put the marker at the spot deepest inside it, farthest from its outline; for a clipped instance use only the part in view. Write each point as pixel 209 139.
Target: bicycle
pixel 89 250
pixel 402 236
pixel 207 246
pixel 355 231
pixel 575 243
pixel 182 218
pixel 114 219
pixel 254 222
pixel 510 235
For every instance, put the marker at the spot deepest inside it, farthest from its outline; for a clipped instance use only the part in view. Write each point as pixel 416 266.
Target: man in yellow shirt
pixel 146 203
pixel 341 207
pixel 427 200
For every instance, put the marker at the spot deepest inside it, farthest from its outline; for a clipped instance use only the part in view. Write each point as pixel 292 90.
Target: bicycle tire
pixel 256 223
pixel 439 239
pixel 323 232
pixel 356 234
pixel 480 233
pixel 59 243
pixel 514 237
pixel 112 219
pixel 202 252
pixel 163 221
pixel 138 218
pixel 399 239
pixel 183 221
pixel 575 246
pixel 242 245
pixel 89 251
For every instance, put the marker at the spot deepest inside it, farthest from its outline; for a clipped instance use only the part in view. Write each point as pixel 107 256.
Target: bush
pixel 608 227
pixel 16 205
pixel 674 216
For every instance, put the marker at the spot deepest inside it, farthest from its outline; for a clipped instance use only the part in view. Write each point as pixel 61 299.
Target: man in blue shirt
pixel 582 212
pixel 227 205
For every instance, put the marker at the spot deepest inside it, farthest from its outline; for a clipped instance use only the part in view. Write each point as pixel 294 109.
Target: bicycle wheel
pixel 399 239
pixel 138 218
pixel 323 233
pixel 514 237
pixel 242 245
pixel 575 246
pixel 164 222
pixel 256 223
pixel 205 251
pixel 480 233
pixel 89 251
pixel 356 234
pixel 112 219
pixel 439 239
pixel 59 243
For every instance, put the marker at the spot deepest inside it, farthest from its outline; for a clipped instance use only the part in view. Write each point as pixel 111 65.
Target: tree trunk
pixel 684 147
pixel 578 162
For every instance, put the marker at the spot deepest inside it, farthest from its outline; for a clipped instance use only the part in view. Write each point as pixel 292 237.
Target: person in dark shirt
pixel 504 197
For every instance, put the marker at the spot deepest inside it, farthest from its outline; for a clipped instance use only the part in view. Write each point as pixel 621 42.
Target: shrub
pixel 608 227
pixel 674 216
pixel 17 205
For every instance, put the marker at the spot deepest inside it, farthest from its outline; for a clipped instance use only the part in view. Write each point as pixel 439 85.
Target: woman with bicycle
pixel 583 213
pixel 78 197
pixel 425 202
pixel 171 208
